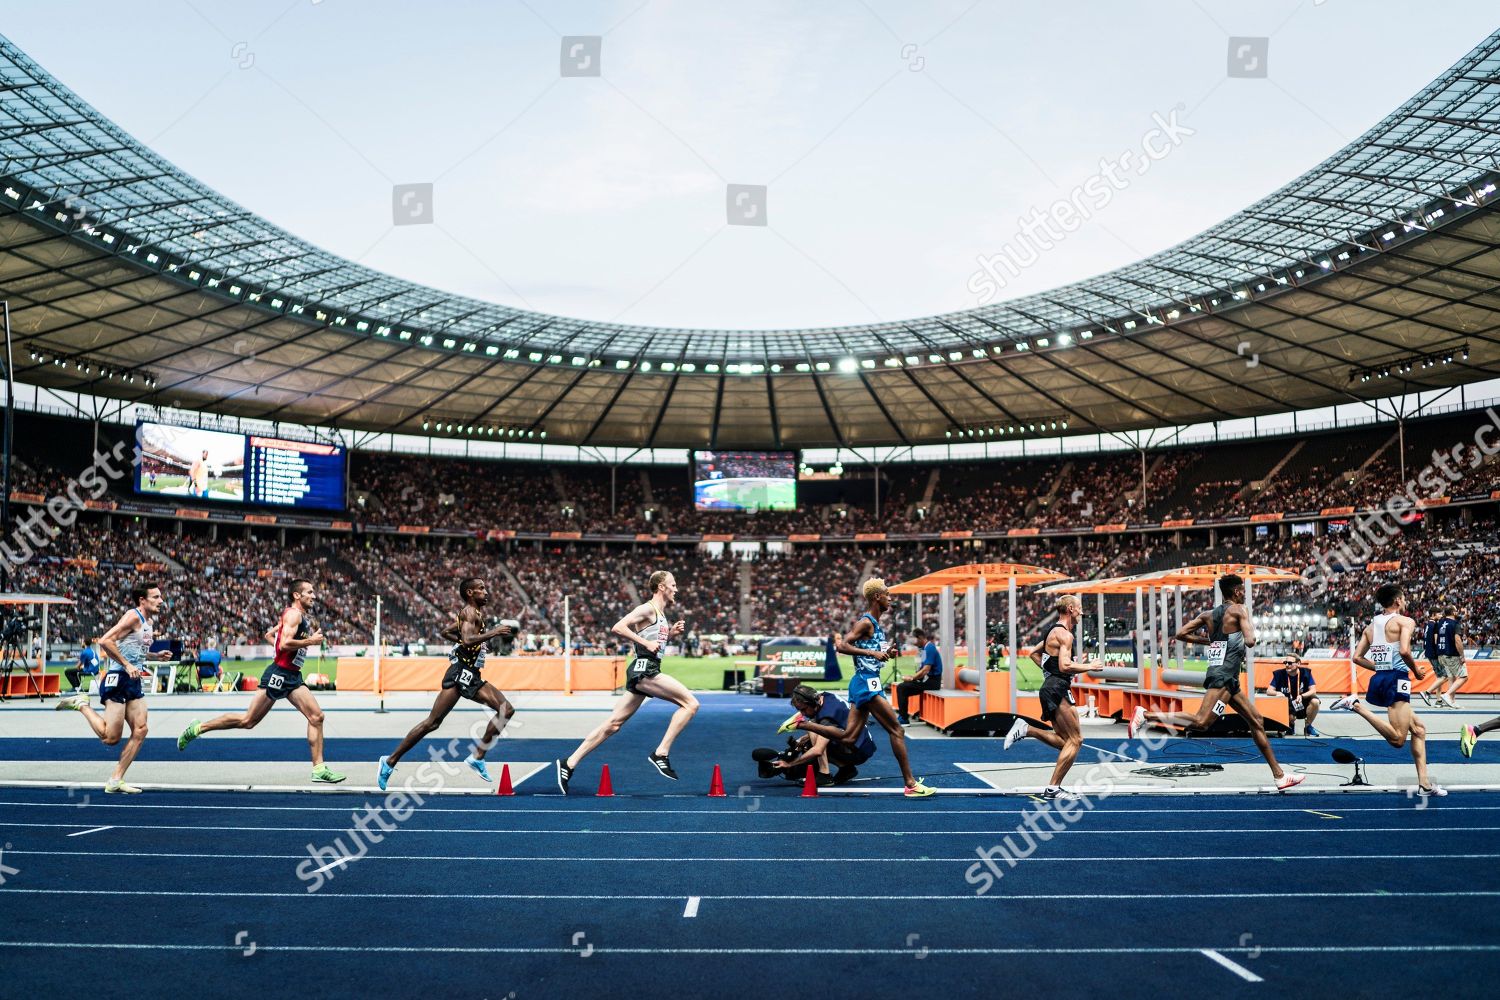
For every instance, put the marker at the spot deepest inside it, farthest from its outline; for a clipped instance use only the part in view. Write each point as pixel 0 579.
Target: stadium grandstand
pixel 203 401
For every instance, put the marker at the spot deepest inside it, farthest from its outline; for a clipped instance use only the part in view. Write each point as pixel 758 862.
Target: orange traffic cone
pixel 505 787
pixel 605 788
pixel 810 785
pixel 716 787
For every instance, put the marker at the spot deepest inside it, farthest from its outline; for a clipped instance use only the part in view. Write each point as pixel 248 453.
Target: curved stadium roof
pixel 1386 250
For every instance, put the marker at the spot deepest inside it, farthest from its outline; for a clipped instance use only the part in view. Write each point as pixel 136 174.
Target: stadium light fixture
pixel 621 365
pixel 912 359
pixel 710 368
pixel 668 366
pixel 1065 339
pixel 645 366
pixel 690 367
pixel 822 366
pixel 449 343
pixel 491 350
pixel 893 362
pixel 848 365
pixel 1043 342
pixel 867 363
pixel 955 355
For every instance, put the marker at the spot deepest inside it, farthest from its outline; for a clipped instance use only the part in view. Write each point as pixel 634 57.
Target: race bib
pixel 1403 685
pixel 110 680
pixel 873 683
pixel 465 677
pixel 1380 656
pixel 276 682
pixel 1216 653
pixel 1219 708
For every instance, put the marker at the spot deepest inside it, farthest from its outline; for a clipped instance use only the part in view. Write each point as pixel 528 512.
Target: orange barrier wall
pixel 1332 676
pixel 508 673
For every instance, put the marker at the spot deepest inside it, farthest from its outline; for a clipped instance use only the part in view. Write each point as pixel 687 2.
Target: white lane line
pixel 914 897
pixel 711 812
pixel 692 907
pixel 1320 949
pixel 1234 967
pixel 761 859
pixel 334 864
pixel 1322 831
pixel 96 829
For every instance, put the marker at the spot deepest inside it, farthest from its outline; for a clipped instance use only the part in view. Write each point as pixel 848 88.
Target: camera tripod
pixel 13 658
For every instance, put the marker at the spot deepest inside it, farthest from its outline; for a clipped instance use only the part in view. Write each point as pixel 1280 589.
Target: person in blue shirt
pixel 1294 681
pixel 88 665
pixel 1430 654
pixel 928 678
pixel 819 751
pixel 1449 642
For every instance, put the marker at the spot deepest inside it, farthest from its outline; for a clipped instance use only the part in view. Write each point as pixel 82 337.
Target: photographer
pixel 1295 683
pixel 818 751
pixel 928 678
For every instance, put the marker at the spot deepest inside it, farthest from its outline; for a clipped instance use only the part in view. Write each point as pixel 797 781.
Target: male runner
pixel 127 649
pixel 1054 655
pixel 866 643
pixel 282 679
pixel 1231 632
pixel 463 678
pixel 1385 647
pixel 647 629
pixel 198 474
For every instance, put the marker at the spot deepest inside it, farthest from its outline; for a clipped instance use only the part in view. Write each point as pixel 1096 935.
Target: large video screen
pixel 195 464
pixel 190 462
pixel 745 480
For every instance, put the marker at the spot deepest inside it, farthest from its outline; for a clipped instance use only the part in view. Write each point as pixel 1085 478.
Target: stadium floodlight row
pixel 1382 250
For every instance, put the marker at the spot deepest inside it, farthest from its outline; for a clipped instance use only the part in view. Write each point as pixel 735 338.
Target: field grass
pixel 698 673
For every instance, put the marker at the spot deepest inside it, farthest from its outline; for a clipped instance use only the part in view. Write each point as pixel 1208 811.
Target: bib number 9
pixel 1217 652
pixel 873 683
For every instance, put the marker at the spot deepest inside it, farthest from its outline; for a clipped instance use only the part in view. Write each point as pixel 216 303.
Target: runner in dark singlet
pixel 1231 632
pixel 1054 654
pixel 647 630
pixel 463 678
pixel 282 679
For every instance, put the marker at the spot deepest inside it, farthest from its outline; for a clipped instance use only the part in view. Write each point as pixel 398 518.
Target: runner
pixel 282 679
pixel 1054 655
pixel 866 643
pixel 463 678
pixel 1231 631
pixel 648 631
pixel 1385 647
pixel 127 648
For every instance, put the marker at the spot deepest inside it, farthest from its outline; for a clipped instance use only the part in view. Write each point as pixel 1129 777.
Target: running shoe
pixel 478 765
pixel 1289 780
pixel 1312 732
pixel 845 774
pixel 327 775
pixel 191 733
pixel 564 775
pixel 1136 722
pixel 1347 703
pixel 1433 791
pixel 1467 737
pixel 386 770
pixel 905 720
pixel 662 764
pixel 74 704
pixel 790 725
pixel 1426 697
pixel 1018 731
pixel 919 790
pixel 115 786
pixel 1057 792
pixel 1447 702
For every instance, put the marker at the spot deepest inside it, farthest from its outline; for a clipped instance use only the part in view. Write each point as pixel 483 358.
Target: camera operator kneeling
pixel 817 751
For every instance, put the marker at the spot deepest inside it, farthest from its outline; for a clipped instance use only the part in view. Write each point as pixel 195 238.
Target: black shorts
pixel 843 755
pixel 1224 676
pixel 1055 690
pixel 278 682
pixel 641 668
pixel 467 679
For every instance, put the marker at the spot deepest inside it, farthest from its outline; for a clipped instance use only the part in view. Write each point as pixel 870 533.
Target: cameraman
pixel 88 665
pixel 827 708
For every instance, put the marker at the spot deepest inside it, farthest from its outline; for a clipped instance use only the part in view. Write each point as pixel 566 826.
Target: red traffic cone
pixel 505 787
pixel 716 787
pixel 605 788
pixel 810 785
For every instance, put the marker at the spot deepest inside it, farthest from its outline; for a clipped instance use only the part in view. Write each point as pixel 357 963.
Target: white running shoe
pixel 1137 721
pixel 1345 704
pixel 1289 780
pixel 1018 731
pixel 1431 791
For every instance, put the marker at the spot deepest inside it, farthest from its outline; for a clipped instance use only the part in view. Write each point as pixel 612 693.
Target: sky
pixel 897 142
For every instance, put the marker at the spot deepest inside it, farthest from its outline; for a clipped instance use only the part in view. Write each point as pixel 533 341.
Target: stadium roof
pixel 1382 258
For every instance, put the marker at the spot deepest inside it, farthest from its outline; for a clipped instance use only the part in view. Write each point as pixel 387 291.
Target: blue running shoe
pixel 385 774
pixel 478 766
